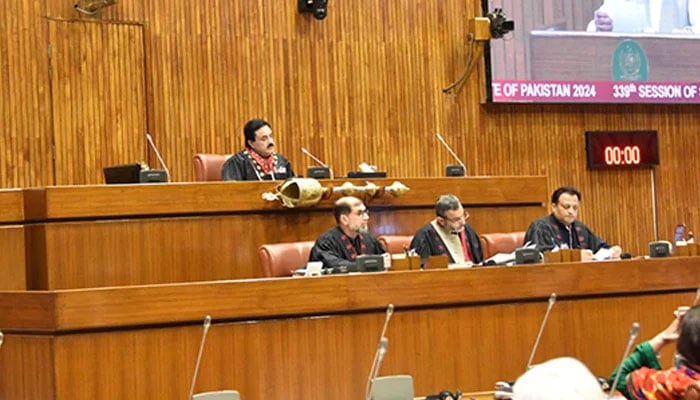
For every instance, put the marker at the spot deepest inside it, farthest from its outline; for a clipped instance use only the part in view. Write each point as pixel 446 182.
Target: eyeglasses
pixel 361 212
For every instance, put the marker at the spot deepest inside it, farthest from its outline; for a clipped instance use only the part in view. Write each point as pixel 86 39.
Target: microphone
pixel 389 313
pixel 207 324
pixel 453 170
pixel 552 300
pixel 634 330
pixel 2 337
pixel 381 350
pixel 378 357
pixel 320 173
pixel 155 150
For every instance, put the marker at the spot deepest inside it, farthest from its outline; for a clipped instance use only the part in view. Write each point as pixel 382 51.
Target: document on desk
pixel 602 254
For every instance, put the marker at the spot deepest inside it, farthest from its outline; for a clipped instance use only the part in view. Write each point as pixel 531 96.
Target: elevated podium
pixel 116 235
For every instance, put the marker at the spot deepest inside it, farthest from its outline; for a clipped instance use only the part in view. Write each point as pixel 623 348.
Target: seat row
pixel 281 259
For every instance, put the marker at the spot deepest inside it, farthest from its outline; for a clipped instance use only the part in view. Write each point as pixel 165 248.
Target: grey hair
pixel 445 203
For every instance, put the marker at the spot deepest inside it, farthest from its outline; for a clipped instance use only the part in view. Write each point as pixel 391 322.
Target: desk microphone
pixel 552 300
pixel 378 357
pixel 381 350
pixel 634 330
pixel 207 324
pixel 453 170
pixel 321 163
pixel 160 159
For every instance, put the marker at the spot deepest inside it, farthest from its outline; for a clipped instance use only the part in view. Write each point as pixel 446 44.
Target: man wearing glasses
pixel 561 230
pixel 449 233
pixel 340 245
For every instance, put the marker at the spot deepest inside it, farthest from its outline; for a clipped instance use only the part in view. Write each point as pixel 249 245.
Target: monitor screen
pixel 595 51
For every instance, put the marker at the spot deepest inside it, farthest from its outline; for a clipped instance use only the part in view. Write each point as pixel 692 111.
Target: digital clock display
pixel 622 149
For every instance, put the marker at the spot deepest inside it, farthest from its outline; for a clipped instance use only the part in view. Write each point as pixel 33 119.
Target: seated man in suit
pixel 560 229
pixel 340 245
pixel 258 160
pixel 449 233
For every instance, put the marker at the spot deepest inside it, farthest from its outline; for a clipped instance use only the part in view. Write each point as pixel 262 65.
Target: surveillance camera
pixel 319 8
pixel 499 23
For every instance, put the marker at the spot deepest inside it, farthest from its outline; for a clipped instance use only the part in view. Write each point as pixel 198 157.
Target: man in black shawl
pixel 560 229
pixel 340 245
pixel 258 160
pixel 449 233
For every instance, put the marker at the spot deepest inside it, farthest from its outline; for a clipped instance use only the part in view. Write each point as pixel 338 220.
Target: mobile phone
pixel 679 236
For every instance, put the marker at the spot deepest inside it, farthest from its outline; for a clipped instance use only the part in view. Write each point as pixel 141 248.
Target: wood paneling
pixel 12 255
pixel 69 203
pixel 364 84
pixel 98 93
pixel 90 308
pixel 11 206
pixel 288 338
pixel 27 365
pixel 25 109
pixel 12 258
pixel 208 231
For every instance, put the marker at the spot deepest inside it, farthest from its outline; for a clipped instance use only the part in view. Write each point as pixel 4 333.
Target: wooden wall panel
pixel 362 85
pixel 12 258
pixel 25 125
pixel 26 367
pixel 99 106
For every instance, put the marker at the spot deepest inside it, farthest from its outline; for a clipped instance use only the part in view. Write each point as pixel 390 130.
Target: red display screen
pixel 622 149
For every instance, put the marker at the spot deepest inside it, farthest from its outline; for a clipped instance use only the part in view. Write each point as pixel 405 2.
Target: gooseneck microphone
pixel 321 163
pixel 379 354
pixel 552 300
pixel 160 159
pixel 207 324
pixel 378 357
pixel 389 313
pixel 634 331
pixel 444 143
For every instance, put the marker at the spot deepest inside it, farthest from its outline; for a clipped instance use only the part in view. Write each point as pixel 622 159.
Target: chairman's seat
pixel 207 167
pixel 395 244
pixel 281 259
pixel 502 242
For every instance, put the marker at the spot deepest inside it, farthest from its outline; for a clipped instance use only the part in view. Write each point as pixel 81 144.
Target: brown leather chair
pixel 494 243
pixel 281 259
pixel 207 167
pixel 395 244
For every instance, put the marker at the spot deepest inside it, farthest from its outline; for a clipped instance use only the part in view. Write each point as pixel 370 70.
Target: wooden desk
pixel 109 235
pixel 12 257
pixel 314 338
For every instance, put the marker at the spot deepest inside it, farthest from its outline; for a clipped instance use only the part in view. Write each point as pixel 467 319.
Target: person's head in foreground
pixel 557 379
